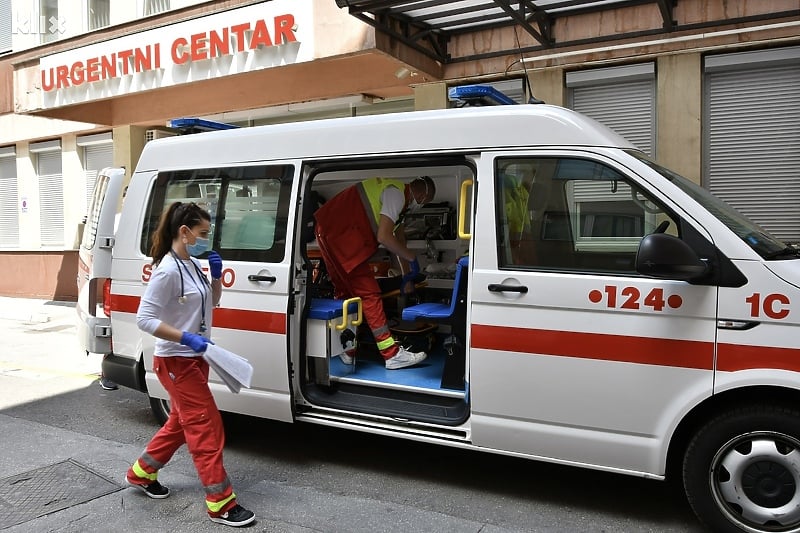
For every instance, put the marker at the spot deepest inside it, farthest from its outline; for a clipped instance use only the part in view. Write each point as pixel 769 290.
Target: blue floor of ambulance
pixel 426 375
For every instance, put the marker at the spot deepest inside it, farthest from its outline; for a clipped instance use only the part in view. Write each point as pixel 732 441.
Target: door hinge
pixel 106 242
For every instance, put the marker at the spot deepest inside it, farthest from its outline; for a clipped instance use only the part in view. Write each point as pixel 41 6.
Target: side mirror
pixel 667 257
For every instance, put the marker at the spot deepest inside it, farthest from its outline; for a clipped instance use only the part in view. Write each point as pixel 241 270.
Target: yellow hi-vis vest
pixel 373 189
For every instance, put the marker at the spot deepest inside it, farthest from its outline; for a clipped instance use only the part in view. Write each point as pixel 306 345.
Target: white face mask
pixel 414 205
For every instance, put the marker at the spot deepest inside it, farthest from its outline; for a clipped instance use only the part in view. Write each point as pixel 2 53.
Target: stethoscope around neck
pixel 202 288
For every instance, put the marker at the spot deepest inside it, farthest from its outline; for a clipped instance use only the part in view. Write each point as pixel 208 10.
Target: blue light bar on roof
pixel 197 125
pixel 483 94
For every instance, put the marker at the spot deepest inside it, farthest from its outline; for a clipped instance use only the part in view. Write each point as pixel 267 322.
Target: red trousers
pixel 361 282
pixel 195 420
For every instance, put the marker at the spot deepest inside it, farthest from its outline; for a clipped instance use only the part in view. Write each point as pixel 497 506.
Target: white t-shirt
pixel 392 202
pixel 160 303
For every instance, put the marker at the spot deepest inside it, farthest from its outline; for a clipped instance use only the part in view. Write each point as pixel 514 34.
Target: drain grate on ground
pixel 46 490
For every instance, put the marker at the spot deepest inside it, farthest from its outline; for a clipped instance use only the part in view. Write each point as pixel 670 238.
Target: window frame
pixel 221 177
pixel 572 218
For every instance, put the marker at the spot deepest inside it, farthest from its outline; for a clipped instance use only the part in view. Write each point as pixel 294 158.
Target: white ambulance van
pixel 583 305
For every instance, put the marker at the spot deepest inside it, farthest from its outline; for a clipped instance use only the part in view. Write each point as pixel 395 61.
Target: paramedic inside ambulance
pixel 349 229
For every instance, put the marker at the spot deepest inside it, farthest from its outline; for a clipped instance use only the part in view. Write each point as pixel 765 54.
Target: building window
pixel 9 199
pixel 152 7
pixel 99 14
pixel 5 26
pixel 48 18
pixel 47 157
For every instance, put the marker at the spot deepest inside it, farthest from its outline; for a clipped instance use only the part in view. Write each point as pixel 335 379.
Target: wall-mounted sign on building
pixel 231 42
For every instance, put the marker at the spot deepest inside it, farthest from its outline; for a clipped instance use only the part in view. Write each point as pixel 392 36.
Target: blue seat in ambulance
pixel 440 312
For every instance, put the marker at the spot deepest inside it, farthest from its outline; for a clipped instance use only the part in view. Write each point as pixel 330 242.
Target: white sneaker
pixel 404 358
pixel 346 359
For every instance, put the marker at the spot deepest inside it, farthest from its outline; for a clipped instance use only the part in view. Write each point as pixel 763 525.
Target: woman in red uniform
pixel 176 309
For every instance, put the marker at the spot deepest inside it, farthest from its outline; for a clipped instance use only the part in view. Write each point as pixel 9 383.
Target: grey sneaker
pixel 404 358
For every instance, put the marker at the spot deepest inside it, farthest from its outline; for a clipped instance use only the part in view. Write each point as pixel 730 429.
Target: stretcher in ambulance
pixel 588 307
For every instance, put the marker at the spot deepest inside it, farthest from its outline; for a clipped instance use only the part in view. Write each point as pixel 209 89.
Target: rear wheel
pixel 160 409
pixel 741 471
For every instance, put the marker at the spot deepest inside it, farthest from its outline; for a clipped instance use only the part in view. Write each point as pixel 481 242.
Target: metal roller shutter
pixel 51 198
pixel 622 98
pixel 96 158
pixel 9 200
pixel 753 143
pixel 626 107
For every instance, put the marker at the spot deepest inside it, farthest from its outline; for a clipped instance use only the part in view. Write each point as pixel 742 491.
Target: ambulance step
pixel 392 403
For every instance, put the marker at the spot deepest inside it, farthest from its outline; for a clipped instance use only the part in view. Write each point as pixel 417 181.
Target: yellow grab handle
pixel 462 211
pixel 346 315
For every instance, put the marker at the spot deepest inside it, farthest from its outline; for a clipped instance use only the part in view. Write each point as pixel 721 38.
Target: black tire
pixel 741 471
pixel 160 410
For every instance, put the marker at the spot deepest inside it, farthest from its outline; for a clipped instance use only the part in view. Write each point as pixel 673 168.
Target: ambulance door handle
pixel 496 287
pixel 259 277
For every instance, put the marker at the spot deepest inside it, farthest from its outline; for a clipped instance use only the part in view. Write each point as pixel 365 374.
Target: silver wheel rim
pixel 755 482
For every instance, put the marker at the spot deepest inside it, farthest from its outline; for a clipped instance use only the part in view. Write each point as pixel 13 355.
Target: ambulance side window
pixel 572 214
pixel 248 205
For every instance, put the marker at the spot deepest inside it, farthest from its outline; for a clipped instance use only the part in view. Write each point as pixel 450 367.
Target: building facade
pixel 708 87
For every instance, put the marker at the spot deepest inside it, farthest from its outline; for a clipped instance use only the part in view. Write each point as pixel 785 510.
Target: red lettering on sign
pixel 61 76
pixel 239 30
pixel 92 69
pixel 179 54
pixel 147 271
pixel 124 57
pixel 260 36
pixel 198 49
pixel 632 296
pixel 228 277
pixel 284 29
pixel 76 73
pixel 219 45
pixel 108 66
pixel 769 305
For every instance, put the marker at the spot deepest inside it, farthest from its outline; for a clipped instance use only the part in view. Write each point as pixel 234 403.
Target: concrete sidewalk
pixel 32 448
pixel 55 479
pixel 32 310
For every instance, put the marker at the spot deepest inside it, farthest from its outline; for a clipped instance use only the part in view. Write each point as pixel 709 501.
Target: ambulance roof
pixel 465 129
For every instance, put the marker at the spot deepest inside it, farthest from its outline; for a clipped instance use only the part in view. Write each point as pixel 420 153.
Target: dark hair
pixel 429 185
pixel 177 214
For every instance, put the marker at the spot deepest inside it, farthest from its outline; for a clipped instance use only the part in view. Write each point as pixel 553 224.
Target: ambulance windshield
pixel 760 240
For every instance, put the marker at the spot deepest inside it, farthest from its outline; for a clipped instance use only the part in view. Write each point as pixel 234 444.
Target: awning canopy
pixel 429 25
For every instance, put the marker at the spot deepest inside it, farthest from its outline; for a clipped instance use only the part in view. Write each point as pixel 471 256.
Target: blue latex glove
pixel 411 274
pixel 196 342
pixel 215 265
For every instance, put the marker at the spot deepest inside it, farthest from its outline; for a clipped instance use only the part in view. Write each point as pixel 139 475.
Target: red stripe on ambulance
pixel 622 348
pixel 261 321
pixel 733 357
pixel 241 319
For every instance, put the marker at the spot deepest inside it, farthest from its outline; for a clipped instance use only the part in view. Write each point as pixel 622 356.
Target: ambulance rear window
pixel 93 214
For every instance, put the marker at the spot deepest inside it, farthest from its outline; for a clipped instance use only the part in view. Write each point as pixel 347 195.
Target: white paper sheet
pixel 234 370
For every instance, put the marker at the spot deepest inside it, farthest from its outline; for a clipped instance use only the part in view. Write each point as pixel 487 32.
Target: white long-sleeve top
pixel 161 303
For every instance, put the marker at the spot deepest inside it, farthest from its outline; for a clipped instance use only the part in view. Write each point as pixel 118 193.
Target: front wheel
pixel 741 471
pixel 160 409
